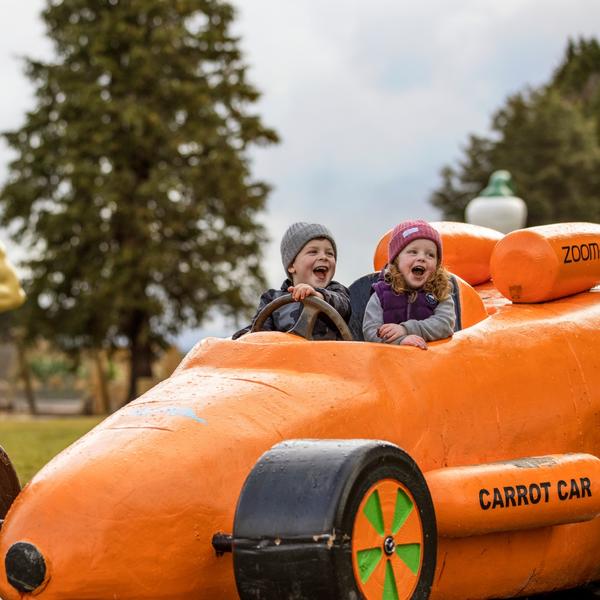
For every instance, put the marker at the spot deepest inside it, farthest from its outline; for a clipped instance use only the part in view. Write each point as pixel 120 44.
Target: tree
pixel 132 186
pixel 547 138
pixel 578 75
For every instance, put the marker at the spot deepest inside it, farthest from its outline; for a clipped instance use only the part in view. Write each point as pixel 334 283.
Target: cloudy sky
pixel 370 100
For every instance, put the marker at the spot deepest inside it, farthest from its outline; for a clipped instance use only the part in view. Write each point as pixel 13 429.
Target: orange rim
pixel 387 542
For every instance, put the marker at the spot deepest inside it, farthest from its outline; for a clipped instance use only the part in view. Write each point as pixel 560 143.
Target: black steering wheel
pixel 312 307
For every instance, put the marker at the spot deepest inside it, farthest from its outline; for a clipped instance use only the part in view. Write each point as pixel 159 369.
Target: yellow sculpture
pixel 11 292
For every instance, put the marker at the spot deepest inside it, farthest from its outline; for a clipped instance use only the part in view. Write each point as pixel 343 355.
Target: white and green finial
pixel 500 184
pixel 497 206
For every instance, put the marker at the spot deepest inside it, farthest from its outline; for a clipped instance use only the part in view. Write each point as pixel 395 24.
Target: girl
pixel 412 304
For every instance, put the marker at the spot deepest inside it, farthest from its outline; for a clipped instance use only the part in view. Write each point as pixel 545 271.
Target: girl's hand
pixel 303 290
pixel 390 332
pixel 414 340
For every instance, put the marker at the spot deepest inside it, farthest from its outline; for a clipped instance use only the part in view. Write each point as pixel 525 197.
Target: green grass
pixel 31 443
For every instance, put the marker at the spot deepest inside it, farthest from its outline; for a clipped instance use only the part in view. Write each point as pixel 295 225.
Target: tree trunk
pixel 140 365
pixel 25 373
pixel 101 405
pixel 140 355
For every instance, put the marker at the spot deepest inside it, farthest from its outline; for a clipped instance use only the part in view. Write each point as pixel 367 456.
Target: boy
pixel 308 254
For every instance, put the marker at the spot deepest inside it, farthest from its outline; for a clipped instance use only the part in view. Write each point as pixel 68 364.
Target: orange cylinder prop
pixel 467 249
pixel 547 262
pixel 514 495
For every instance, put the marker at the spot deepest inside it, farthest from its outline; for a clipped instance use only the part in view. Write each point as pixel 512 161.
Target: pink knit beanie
pixel 406 232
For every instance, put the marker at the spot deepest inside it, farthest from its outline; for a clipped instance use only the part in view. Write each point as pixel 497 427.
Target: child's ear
pixel 291 270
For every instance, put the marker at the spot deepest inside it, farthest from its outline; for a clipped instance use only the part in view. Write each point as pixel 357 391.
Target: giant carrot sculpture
pixel 278 467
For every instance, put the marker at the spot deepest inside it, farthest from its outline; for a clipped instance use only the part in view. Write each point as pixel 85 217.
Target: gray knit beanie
pixel 297 236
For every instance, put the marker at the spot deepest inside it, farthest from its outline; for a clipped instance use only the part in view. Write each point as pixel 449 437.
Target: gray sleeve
pixel 339 297
pixel 373 320
pixel 439 326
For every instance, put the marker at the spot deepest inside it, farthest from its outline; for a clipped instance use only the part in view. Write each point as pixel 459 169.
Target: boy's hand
pixel 390 332
pixel 303 290
pixel 414 340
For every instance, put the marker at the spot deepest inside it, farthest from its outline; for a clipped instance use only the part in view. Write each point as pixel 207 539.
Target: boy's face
pixel 417 262
pixel 315 264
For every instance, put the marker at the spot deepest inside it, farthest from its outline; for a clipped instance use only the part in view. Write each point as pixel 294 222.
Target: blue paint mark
pixel 172 411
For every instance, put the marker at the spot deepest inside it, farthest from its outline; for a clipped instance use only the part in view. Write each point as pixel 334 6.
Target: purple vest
pixel 397 308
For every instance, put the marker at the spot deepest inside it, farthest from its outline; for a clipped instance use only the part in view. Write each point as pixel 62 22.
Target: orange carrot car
pixel 275 467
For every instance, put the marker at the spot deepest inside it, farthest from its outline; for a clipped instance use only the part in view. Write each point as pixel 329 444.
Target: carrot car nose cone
pixel 25 567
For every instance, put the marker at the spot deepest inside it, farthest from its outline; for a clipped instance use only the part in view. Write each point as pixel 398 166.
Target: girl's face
pixel 417 262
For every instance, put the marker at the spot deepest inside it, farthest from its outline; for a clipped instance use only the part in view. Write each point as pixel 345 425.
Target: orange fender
pixel 514 495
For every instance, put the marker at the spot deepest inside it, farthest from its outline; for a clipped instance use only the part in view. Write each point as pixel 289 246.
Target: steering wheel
pixel 312 307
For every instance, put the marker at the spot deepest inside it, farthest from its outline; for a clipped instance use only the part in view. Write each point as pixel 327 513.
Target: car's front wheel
pixel 335 519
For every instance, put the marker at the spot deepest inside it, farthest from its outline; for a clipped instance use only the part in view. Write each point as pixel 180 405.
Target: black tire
pixel 9 483
pixel 294 531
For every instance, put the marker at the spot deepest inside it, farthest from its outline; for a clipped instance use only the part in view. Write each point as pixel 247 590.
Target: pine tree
pixel 551 149
pixel 578 77
pixel 548 139
pixel 132 186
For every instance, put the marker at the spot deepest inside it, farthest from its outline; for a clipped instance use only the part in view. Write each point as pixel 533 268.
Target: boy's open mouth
pixel 321 271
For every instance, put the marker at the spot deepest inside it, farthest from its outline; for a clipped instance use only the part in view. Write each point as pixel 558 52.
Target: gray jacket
pixel 284 318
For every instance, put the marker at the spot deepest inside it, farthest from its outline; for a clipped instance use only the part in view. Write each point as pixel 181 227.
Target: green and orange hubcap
pixel 387 542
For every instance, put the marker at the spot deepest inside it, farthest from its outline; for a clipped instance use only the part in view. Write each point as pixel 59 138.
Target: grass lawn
pixel 31 443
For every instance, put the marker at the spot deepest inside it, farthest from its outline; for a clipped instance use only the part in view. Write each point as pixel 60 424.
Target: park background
pixel 384 111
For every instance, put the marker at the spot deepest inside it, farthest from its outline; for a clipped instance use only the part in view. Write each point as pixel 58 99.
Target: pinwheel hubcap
pixel 387 542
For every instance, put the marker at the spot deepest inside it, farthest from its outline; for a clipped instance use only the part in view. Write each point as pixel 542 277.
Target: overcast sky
pixel 370 100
